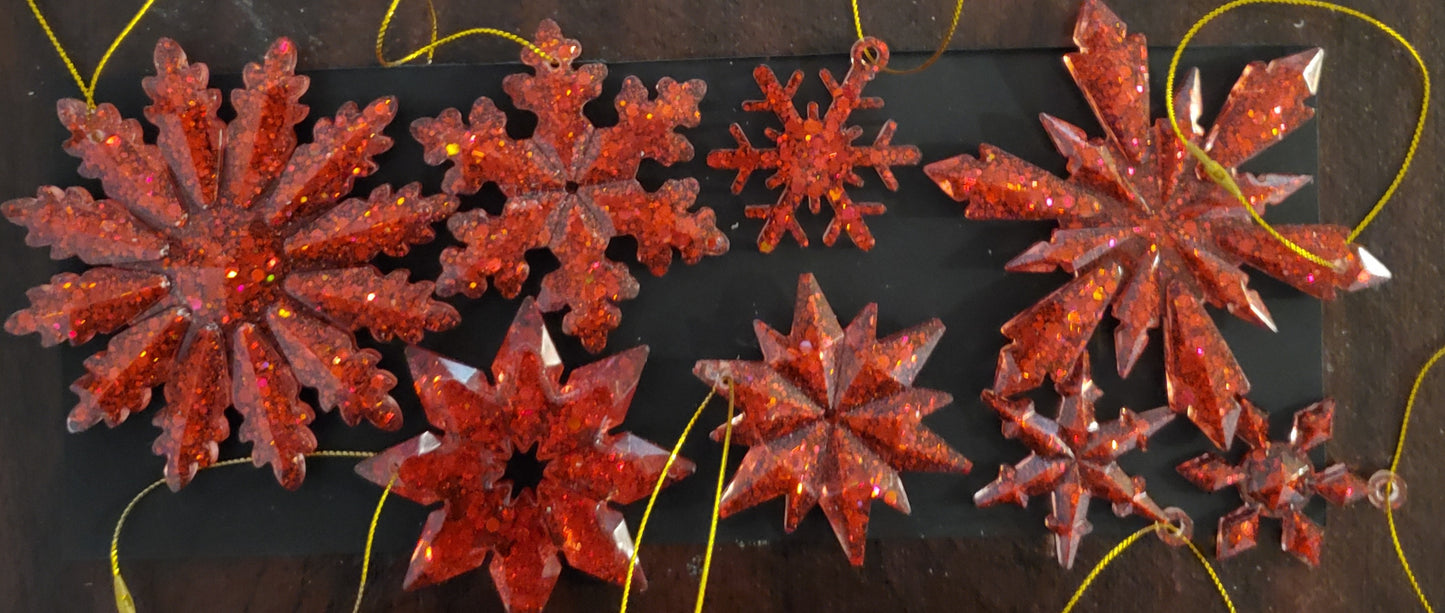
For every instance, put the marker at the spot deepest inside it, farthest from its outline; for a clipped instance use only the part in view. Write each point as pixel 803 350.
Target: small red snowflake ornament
pixel 484 424
pixel 1277 480
pixel 1073 459
pixel 229 262
pixel 1143 229
pixel 815 156
pixel 571 187
pixel 830 416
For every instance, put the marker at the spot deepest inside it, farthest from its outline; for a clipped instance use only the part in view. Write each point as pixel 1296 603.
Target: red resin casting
pixel 1142 229
pixel 1277 480
pixel 1073 459
pixel 830 417
pixel 484 424
pixel 815 156
pixel 227 258
pixel 571 187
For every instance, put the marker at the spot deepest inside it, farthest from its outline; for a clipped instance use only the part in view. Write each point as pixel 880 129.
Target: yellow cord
pixel 656 489
pixel 1222 176
pixel 1127 542
pixel 1395 467
pixel 87 89
pixel 722 474
pixel 430 48
pixel 371 536
pixel 937 53
pixel 124 603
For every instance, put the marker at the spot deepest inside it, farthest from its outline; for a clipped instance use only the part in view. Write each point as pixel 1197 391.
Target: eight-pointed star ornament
pixel 815 157
pixel 483 424
pixel 1141 227
pixel 831 417
pixel 1276 480
pixel 1073 459
pixel 571 187
pixel 230 265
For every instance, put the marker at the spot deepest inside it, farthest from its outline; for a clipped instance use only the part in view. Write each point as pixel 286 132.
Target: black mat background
pixel 929 262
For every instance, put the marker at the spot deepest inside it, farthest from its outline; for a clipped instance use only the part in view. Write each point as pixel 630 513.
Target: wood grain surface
pixel 1374 340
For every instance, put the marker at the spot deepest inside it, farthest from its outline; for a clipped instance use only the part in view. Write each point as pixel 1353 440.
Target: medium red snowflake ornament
pixel 1277 480
pixel 571 187
pixel 1073 459
pixel 484 424
pixel 831 417
pixel 227 258
pixel 815 156
pixel 1143 229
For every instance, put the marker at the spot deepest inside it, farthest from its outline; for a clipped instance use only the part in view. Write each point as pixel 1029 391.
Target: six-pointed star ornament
pixel 229 263
pixel 1277 480
pixel 830 416
pixel 571 187
pixel 1141 228
pixel 815 157
pixel 1073 459
pixel 484 424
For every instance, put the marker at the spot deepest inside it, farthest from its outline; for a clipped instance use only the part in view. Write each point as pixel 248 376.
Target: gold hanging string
pixel 124 603
pixel 1394 470
pixel 1128 542
pixel 431 47
pixel 1222 176
pixel 370 537
pixel 937 53
pixel 87 89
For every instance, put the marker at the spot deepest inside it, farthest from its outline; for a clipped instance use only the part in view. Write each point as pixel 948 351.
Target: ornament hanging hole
pixel 870 53
pixel 1178 528
pixel 1386 487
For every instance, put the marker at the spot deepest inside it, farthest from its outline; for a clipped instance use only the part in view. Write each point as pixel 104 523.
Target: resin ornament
pixel 1277 480
pixel 815 157
pixel 570 187
pixel 229 262
pixel 525 409
pixel 830 416
pixel 1073 459
pixel 1142 228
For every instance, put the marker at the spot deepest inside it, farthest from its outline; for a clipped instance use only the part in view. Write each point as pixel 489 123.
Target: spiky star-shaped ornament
pixel 1073 459
pixel 484 424
pixel 230 262
pixel 571 187
pixel 1277 480
pixel 830 416
pixel 1143 229
pixel 815 157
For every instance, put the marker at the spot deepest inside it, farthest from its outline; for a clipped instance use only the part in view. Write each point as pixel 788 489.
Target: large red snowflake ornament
pixel 815 156
pixel 230 262
pixel 1073 459
pixel 1142 228
pixel 1277 480
pixel 830 416
pixel 571 187
pixel 484 424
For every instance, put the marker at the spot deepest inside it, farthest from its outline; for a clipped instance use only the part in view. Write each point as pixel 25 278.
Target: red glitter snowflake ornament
pixel 1277 480
pixel 830 416
pixel 484 425
pixel 1142 228
pixel 815 156
pixel 228 259
pixel 571 187
pixel 1074 459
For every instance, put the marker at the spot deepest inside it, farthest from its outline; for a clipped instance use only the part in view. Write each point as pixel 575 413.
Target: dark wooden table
pixel 1374 340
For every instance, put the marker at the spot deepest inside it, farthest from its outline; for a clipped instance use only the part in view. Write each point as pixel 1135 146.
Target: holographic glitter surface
pixel 228 263
pixel 571 187
pixel 1144 230
pixel 830 416
pixel 815 157
pixel 484 424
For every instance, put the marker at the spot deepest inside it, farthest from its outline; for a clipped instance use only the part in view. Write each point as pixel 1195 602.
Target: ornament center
pixel 824 156
pixel 1276 477
pixel 571 187
pixel 524 471
pixel 228 273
